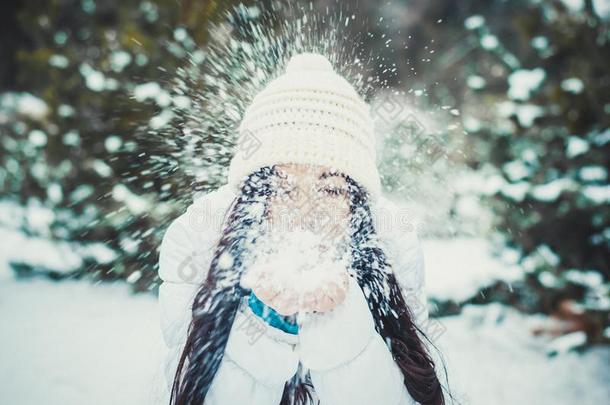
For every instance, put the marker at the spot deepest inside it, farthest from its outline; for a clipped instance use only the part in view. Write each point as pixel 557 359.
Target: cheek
pixel 279 209
pixel 338 207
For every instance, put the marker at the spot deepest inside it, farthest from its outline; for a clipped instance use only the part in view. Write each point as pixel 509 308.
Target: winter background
pixel 494 133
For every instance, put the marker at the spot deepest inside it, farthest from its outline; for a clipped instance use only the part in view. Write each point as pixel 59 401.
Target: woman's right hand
pixel 273 291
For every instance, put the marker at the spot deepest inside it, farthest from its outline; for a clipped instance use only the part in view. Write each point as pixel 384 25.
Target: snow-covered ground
pixel 457 268
pixel 73 342
pixel 77 343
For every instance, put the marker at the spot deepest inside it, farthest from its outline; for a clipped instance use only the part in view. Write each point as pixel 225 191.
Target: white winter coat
pixel 348 360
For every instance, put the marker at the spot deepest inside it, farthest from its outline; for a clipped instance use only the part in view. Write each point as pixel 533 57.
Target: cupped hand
pixel 328 293
pixel 288 293
pixel 272 290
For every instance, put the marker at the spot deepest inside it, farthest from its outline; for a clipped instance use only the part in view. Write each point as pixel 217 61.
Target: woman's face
pixel 309 197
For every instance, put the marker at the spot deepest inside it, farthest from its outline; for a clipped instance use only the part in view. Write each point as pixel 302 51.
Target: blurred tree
pixel 550 138
pixel 85 75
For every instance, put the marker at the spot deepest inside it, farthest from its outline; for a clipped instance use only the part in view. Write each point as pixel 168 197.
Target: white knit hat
pixel 311 115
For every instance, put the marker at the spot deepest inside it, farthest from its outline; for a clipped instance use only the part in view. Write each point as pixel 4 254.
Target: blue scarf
pixel 271 317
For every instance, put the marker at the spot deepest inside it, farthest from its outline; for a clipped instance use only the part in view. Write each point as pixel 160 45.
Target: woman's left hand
pixel 330 339
pixel 325 297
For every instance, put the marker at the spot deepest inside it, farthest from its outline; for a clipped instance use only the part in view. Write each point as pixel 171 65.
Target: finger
pixel 279 300
pixel 340 297
pixel 325 304
pixel 315 299
pixel 269 292
pixel 286 302
pixel 333 290
pixel 291 309
pixel 307 301
pixel 264 290
pixel 286 307
pixel 319 294
pixel 291 300
pixel 338 292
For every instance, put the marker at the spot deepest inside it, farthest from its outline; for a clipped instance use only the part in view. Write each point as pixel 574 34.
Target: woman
pixel 247 321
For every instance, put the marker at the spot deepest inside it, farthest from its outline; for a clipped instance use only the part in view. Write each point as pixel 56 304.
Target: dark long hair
pixel 217 301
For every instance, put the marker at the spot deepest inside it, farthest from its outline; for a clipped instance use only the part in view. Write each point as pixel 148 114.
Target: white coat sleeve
pixel 409 267
pixel 349 361
pixel 257 362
